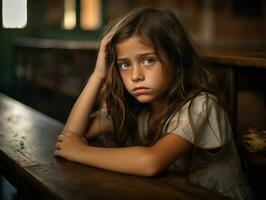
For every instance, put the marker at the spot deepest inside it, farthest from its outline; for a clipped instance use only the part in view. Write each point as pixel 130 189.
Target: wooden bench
pixel 27 142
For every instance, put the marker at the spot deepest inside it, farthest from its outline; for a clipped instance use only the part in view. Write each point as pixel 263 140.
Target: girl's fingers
pixel 108 37
pixel 57 152
pixel 60 137
pixel 58 145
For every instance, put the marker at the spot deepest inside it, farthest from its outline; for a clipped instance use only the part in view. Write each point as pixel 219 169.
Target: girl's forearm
pixel 77 121
pixel 135 160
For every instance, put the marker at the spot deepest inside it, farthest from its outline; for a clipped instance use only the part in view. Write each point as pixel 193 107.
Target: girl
pixel 160 108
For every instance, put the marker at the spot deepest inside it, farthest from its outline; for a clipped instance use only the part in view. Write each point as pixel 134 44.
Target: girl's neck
pixel 155 108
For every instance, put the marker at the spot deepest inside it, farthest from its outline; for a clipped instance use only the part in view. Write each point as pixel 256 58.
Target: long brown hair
pixel 189 77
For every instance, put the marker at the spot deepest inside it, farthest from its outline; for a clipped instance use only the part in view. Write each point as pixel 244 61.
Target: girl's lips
pixel 140 90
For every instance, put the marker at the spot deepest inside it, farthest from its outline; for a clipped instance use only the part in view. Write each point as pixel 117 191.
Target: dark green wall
pixel 7 39
pixel 35 28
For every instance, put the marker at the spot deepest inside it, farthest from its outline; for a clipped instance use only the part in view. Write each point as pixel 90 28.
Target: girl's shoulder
pixel 202 122
pixel 206 96
pixel 200 104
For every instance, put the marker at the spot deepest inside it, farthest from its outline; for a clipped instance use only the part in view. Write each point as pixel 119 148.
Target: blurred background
pixel 48 48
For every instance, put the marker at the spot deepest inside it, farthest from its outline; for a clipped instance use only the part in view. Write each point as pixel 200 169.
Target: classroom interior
pixel 47 57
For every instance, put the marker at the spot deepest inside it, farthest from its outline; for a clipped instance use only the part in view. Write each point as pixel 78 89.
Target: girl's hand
pixel 69 146
pixel 101 65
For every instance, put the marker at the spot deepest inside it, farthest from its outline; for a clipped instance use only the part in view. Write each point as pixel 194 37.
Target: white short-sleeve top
pixel 219 170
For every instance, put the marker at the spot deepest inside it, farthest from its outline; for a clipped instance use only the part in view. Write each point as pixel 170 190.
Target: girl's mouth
pixel 140 90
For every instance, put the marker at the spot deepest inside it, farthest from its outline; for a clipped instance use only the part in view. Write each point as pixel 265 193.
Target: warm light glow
pixel 14 13
pixel 69 14
pixel 90 14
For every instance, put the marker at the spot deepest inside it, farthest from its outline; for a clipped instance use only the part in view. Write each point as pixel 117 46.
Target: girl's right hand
pixel 101 66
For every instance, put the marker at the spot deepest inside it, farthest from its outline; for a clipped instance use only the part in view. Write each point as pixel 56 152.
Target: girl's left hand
pixel 70 146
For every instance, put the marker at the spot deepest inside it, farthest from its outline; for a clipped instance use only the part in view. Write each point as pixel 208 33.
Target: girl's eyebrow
pixel 140 55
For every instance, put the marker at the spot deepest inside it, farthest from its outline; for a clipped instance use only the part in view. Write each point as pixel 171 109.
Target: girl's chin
pixel 144 99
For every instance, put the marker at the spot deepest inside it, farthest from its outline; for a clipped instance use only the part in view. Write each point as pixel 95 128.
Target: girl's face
pixel 144 74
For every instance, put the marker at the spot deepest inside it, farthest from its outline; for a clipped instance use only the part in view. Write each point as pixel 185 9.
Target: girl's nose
pixel 137 74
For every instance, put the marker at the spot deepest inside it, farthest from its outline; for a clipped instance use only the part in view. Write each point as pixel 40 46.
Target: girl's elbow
pixel 150 173
pixel 151 167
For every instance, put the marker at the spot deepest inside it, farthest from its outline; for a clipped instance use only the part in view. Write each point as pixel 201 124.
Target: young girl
pixel 160 108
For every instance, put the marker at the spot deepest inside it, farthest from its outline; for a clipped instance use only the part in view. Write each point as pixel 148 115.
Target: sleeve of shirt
pixel 104 113
pixel 211 126
pixel 103 117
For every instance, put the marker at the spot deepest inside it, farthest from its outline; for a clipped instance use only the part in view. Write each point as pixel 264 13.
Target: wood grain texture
pixel 27 140
pixel 82 182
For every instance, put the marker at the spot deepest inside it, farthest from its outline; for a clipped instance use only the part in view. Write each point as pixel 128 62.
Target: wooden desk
pixel 27 139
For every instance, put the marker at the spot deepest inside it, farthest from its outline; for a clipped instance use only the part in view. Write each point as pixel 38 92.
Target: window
pixel 14 13
pixel 69 14
pixel 90 14
pixel 73 14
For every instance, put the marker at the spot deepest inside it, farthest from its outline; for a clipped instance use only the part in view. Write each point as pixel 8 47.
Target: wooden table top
pixel 27 140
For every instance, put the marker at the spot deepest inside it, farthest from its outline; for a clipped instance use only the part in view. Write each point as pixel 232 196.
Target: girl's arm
pixel 99 125
pixel 80 115
pixel 137 160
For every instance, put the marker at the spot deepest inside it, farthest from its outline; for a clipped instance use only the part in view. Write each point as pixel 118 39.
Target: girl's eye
pixel 148 61
pixel 123 65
